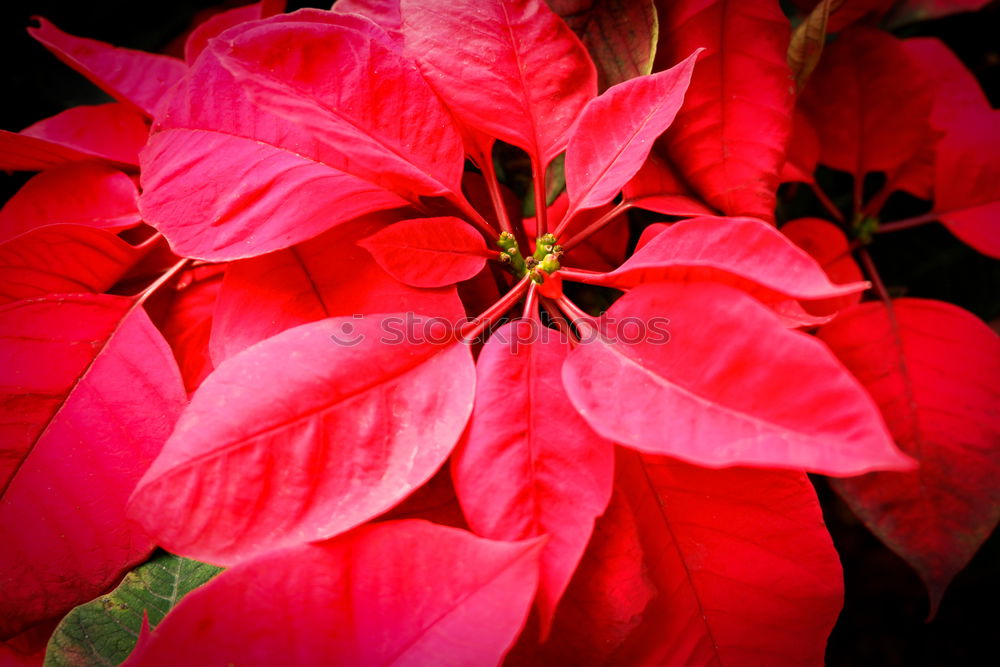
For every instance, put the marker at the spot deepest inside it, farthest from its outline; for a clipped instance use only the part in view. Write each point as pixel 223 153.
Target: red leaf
pixel 89 394
pixel 384 13
pixel 304 436
pixel 742 252
pixel 768 397
pixel 966 176
pixel 63 258
pixel 135 78
pixel 222 179
pixel 827 244
pixel 109 132
pixel 803 150
pixel 604 602
pixel 428 252
pixel 320 278
pixel 528 464
pixel 957 92
pixel 616 131
pixel 88 193
pixel 934 370
pixel 619 35
pixel 517 73
pixel 730 135
pixel 188 322
pixel 746 570
pixel 215 25
pixel 868 71
pixel 318 75
pixel 407 592
pixel 658 187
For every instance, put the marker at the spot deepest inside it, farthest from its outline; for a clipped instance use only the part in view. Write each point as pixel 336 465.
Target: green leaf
pixel 104 631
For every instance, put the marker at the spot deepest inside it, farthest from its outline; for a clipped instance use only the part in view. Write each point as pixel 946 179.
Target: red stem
pixel 593 227
pixel 161 281
pixel 530 311
pixel 490 173
pixel 869 266
pixel 827 204
pixel 541 212
pixel 472 329
pixel 580 275
pixel 908 223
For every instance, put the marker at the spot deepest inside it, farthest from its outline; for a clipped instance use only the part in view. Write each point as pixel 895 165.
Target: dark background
pixel 883 618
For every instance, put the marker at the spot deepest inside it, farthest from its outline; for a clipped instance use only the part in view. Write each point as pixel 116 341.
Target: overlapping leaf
pixel 669 387
pixel 518 73
pixel 933 369
pixel 428 252
pixel 225 179
pixel 827 244
pixel 615 133
pixel 110 132
pixel 867 130
pixel 317 75
pixel 729 138
pixel 368 600
pixel 742 560
pixel 321 278
pixel 88 193
pixel 966 173
pixel 105 630
pixel 78 431
pixel 135 78
pixel 742 252
pixel 528 464
pixel 62 258
pixel 304 436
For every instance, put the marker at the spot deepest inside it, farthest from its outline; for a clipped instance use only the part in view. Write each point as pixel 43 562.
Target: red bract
pixel 338 187
pixel 933 368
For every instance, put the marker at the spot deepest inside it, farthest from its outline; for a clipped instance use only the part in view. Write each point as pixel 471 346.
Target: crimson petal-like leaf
pixel 62 258
pixel 518 72
pixel 957 92
pixel 401 593
pixel 729 137
pixel 934 370
pixel 110 132
pixel 304 436
pixel 133 77
pixel 428 252
pixel 768 397
pixel 826 243
pixel 87 193
pixel 967 171
pixel 741 252
pixel 528 464
pixel 187 323
pixel 605 600
pixel 867 129
pixel 90 392
pixel 657 187
pixel 318 76
pixel 619 34
pixel 323 277
pixel 746 570
pixel 215 25
pixel 223 179
pixel 616 131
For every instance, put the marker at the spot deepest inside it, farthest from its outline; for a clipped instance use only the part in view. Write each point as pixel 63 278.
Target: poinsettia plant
pixel 481 332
